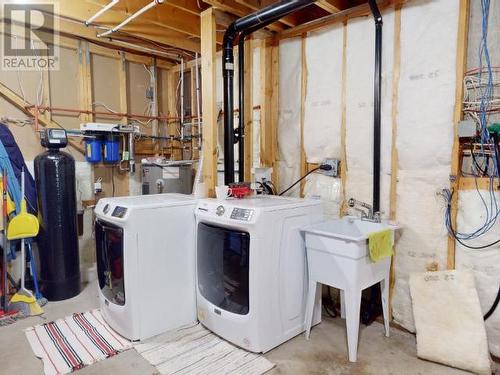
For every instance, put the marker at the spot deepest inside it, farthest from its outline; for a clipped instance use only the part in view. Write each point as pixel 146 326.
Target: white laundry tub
pixel 339 249
pixel 338 255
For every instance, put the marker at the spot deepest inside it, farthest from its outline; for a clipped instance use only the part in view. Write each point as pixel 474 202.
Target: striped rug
pixel 79 340
pixel 196 351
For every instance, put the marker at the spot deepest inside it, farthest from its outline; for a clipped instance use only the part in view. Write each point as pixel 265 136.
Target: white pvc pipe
pixel 132 17
pixel 100 12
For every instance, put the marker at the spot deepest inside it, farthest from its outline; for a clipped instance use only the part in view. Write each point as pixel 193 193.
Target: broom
pixel 23 226
pixel 24 300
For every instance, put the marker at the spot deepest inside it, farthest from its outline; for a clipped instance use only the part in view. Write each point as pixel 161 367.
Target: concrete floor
pixel 325 353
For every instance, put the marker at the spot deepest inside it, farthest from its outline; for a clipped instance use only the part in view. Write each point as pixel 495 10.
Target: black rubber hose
pixel 494 306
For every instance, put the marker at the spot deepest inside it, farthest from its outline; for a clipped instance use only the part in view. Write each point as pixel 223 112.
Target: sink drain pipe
pixel 377 104
pixel 242 27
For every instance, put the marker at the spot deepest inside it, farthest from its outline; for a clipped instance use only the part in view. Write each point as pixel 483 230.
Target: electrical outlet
pixel 97 187
pixel 335 164
pixel 262 174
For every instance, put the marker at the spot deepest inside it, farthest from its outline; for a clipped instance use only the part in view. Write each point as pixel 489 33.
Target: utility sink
pixel 347 236
pixel 337 255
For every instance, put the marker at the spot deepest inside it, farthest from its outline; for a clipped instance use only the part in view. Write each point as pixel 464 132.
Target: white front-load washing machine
pixel 145 250
pixel 252 277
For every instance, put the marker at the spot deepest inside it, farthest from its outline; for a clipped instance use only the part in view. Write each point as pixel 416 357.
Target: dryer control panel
pixel 241 214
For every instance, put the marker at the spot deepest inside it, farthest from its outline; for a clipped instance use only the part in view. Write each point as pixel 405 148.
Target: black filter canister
pixel 58 237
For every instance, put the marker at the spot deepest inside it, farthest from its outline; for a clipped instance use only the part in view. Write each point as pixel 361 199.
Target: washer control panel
pixel 119 212
pixel 242 214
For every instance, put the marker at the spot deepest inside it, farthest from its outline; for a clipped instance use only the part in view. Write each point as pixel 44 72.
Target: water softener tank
pixel 58 237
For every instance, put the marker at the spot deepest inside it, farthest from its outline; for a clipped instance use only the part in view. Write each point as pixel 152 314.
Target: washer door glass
pixel 109 253
pixel 223 272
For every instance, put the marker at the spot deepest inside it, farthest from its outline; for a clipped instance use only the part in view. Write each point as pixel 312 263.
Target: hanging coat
pixel 11 151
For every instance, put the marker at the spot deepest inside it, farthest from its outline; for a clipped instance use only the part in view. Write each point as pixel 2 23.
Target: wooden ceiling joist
pixel 330 6
pixel 177 34
pixel 357 11
pixel 191 6
pixel 184 22
pixel 176 23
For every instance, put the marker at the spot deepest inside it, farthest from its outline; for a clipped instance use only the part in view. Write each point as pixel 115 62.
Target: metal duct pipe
pixel 377 106
pixel 253 22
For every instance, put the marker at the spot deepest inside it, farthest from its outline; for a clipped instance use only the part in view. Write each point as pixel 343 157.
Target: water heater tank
pixel 58 237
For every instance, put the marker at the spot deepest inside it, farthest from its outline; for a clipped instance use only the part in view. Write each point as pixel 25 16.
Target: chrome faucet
pixel 365 209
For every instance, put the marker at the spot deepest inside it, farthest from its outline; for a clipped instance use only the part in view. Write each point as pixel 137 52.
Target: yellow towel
pixel 380 244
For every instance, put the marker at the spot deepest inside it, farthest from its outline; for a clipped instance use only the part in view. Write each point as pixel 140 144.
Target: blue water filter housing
pixel 93 150
pixel 112 149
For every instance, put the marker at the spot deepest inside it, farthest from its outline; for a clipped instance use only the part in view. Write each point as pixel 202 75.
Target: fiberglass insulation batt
pixel 424 136
pixel 323 112
pixel 426 102
pixel 323 104
pixel 289 137
pixel 484 263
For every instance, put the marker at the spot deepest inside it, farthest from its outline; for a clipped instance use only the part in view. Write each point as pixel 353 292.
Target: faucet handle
pixel 377 216
pixel 351 202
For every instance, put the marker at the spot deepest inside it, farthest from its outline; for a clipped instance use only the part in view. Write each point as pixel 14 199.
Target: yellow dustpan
pixel 24 224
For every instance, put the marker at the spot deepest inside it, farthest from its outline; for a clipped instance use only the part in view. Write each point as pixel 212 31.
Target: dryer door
pixel 109 254
pixel 223 257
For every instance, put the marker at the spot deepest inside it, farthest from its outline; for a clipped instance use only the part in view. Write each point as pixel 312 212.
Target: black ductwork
pixel 243 27
pixel 377 104
pixel 241 125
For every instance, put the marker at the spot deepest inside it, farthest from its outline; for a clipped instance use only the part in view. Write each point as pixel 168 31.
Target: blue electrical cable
pixel 489 202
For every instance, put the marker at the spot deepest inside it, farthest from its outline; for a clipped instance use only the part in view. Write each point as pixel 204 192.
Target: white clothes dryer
pixel 251 268
pixel 145 250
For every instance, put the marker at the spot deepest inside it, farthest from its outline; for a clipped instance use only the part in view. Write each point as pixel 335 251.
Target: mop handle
pixel 23 264
pixel 23 255
pixel 22 182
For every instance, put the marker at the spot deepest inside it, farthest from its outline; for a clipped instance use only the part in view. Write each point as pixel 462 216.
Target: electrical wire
pixel 324 167
pixel 300 179
pixel 459 236
pixel 480 100
pixel 493 307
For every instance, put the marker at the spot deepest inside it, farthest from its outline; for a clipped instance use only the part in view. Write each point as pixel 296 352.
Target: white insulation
pixel 289 130
pixel 323 104
pixel 360 53
pixel 449 322
pixel 424 125
pixel 429 32
pixel 485 264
